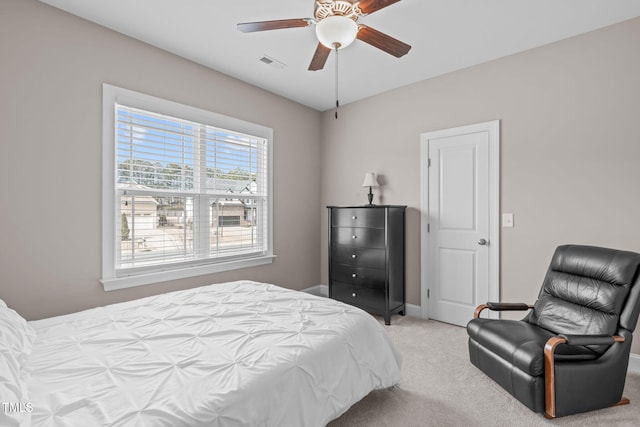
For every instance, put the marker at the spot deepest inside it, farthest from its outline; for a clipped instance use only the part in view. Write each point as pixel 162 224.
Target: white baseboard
pixel 414 310
pixel 634 363
pixel 319 290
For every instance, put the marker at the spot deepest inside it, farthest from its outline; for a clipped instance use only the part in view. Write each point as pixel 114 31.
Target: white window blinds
pixel 186 193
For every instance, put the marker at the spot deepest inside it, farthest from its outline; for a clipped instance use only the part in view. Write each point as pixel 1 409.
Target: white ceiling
pixel 445 35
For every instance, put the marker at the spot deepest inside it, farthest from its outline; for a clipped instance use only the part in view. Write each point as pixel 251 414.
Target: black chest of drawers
pixel 366 257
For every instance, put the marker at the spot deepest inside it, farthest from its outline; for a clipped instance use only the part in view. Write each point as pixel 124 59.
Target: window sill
pixel 113 284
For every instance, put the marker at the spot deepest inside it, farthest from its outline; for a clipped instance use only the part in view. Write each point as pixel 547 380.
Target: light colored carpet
pixel 441 387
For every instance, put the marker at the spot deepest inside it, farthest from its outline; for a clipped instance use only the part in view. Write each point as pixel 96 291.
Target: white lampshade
pixel 370 180
pixel 336 29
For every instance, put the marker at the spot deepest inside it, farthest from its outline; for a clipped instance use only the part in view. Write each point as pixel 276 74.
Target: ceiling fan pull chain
pixel 335 45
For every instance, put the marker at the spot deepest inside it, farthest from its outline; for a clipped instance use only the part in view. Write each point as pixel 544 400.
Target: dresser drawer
pixel 358 237
pixel 358 257
pixel 359 296
pixel 366 277
pixel 357 217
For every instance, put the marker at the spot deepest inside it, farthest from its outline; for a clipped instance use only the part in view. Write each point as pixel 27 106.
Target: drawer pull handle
pixel 354 275
pixel 353 294
pixel 354 256
pixel 354 217
pixel 354 237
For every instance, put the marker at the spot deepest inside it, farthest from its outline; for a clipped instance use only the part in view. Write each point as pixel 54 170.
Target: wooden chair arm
pixel 476 313
pixel 549 368
pixel 501 306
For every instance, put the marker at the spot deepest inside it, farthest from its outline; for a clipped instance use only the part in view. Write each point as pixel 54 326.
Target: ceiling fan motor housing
pixel 327 8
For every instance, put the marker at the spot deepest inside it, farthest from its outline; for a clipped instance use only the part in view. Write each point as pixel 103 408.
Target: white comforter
pixel 239 353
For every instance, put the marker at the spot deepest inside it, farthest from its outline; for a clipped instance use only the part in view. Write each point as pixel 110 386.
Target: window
pixel 185 191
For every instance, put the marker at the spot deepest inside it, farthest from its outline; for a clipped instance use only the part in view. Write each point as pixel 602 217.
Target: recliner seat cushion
pixel 521 343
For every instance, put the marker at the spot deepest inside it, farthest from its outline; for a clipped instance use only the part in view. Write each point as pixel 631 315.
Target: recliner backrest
pixel 629 315
pixel 586 290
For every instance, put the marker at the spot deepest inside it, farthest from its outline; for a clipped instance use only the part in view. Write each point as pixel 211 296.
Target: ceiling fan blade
pixel 370 6
pixel 250 27
pixel 382 41
pixel 319 58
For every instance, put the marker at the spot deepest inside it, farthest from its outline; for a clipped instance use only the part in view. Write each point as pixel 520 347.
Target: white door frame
pixel 493 128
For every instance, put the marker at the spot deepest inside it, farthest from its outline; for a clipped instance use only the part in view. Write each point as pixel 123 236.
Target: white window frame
pixel 112 95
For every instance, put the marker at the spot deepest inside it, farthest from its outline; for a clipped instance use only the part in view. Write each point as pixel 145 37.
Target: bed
pixel 231 354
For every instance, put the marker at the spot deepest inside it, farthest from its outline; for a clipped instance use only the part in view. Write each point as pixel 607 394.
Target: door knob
pixel 482 242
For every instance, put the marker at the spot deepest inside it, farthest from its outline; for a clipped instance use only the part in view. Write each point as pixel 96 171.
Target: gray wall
pixel 570 153
pixel 52 67
pixel 570 149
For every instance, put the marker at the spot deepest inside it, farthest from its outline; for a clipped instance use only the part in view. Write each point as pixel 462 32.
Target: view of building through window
pixel 186 191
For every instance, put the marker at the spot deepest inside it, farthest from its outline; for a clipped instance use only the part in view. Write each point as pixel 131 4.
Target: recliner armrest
pixel 591 339
pixel 508 306
pixel 502 306
pixel 549 362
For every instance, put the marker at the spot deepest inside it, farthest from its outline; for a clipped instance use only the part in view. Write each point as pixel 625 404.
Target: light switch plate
pixel 507 220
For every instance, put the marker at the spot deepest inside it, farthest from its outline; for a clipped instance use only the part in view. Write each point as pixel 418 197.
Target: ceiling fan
pixel 337 27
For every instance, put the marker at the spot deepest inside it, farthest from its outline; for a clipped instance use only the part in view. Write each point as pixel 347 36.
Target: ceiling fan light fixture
pixel 337 31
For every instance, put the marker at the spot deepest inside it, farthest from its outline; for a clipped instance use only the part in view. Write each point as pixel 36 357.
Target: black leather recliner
pixel 570 353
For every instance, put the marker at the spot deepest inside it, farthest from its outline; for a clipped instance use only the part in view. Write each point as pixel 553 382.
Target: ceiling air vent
pixel 272 62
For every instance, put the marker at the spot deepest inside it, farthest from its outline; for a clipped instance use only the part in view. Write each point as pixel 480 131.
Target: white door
pixel 459 221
